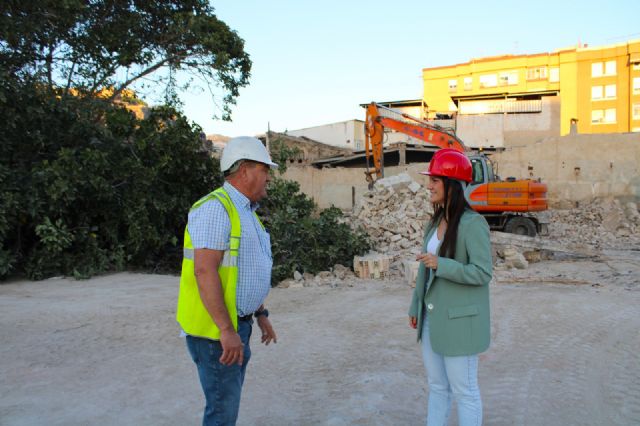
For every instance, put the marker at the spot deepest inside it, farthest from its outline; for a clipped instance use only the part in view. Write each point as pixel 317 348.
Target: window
pixel 468 83
pixel 603 116
pixel 636 112
pixel 554 75
pixel 610 91
pixel 508 78
pixel 538 73
pixel 596 69
pixel 596 93
pixel 597 116
pixel 610 68
pixel 610 115
pixel 636 66
pixel 636 85
pixel 453 85
pixel 478 171
pixel 489 80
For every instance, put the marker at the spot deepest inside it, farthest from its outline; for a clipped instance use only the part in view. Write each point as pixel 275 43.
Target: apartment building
pixel 579 89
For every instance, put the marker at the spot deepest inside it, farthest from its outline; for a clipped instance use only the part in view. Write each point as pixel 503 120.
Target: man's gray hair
pixel 234 168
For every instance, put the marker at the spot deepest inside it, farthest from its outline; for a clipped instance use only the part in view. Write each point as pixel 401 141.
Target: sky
pixel 315 62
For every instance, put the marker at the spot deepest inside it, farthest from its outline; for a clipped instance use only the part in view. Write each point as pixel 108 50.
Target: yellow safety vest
pixel 191 313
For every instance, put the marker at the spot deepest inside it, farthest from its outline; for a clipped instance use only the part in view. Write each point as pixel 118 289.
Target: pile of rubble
pixel 337 276
pixel 600 224
pixel 394 214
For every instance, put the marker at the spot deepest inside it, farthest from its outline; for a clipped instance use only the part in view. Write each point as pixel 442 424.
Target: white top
pixel 433 244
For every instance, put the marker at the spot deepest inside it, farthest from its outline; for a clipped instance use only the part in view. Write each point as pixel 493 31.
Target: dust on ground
pixel 565 336
pixel 565 344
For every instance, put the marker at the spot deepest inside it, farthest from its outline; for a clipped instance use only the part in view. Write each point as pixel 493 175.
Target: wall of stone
pixel 575 168
pixel 578 167
pixel 345 134
pixel 341 186
pixel 506 130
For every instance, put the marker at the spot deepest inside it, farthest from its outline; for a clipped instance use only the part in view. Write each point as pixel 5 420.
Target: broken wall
pixel 575 168
pixel 507 130
pixel 341 186
pixel 578 167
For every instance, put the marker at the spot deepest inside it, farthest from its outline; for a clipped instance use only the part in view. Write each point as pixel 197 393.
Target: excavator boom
pixel 379 117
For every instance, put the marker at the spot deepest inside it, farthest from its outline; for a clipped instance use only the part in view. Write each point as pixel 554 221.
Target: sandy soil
pixel 566 339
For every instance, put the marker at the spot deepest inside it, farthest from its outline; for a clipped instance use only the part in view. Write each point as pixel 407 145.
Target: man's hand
pixel 413 322
pixel 232 348
pixel 267 330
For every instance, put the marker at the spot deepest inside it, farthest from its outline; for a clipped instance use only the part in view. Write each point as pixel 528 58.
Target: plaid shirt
pixel 210 227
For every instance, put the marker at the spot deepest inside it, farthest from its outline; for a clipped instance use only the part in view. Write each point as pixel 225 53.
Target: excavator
pixel 507 205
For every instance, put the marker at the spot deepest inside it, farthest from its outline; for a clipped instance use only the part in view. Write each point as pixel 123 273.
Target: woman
pixel 450 305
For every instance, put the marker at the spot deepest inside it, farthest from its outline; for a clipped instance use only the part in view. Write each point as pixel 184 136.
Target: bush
pixel 85 187
pixel 304 239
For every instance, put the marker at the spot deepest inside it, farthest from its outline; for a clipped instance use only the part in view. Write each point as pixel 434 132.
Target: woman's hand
pixel 413 322
pixel 429 260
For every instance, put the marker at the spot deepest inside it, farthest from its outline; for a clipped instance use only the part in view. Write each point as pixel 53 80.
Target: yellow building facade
pixel 598 87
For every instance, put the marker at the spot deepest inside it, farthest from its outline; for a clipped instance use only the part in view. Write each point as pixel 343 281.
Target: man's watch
pixel 264 312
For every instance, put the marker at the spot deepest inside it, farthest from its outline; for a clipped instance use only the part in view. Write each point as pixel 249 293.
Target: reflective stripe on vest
pixel 191 313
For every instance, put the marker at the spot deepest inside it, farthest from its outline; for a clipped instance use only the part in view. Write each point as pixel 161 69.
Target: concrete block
pixel 414 187
pixel 395 238
pixel 372 265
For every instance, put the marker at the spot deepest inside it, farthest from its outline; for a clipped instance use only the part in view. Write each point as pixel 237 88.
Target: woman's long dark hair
pixel 451 209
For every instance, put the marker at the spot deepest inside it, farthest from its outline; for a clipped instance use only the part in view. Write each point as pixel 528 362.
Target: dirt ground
pixel 566 339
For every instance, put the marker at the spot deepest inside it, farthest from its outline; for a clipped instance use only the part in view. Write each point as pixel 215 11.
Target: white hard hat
pixel 244 148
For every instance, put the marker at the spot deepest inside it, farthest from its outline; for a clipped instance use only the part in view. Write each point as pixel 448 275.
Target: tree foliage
pixel 85 46
pixel 85 187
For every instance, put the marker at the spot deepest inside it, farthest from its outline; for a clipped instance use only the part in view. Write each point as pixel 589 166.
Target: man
pixel 226 276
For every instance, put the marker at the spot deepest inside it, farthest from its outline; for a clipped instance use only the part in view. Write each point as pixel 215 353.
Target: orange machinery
pixel 505 204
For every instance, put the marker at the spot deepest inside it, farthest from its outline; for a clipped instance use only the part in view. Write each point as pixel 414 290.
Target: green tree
pixel 88 46
pixel 81 195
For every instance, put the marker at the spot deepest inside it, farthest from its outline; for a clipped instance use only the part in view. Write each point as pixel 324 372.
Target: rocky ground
pixel 395 212
pixel 565 340
pixel 107 351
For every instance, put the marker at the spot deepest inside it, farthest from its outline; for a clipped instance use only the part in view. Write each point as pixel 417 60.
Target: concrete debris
pixel 403 180
pixel 396 211
pixel 339 275
pixel 533 249
pixel 512 258
pixel 372 265
pixel 601 224
pixel 394 215
pixel 579 232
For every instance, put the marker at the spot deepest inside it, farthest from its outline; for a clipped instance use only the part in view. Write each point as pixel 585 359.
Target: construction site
pixel 565 321
pixel 560 194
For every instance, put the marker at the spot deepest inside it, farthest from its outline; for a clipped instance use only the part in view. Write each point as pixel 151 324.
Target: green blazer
pixel 456 296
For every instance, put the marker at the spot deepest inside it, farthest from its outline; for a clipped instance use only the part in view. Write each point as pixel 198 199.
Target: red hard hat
pixel 450 163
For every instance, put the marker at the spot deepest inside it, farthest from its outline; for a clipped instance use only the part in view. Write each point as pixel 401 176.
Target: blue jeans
pixel 451 377
pixel 221 384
